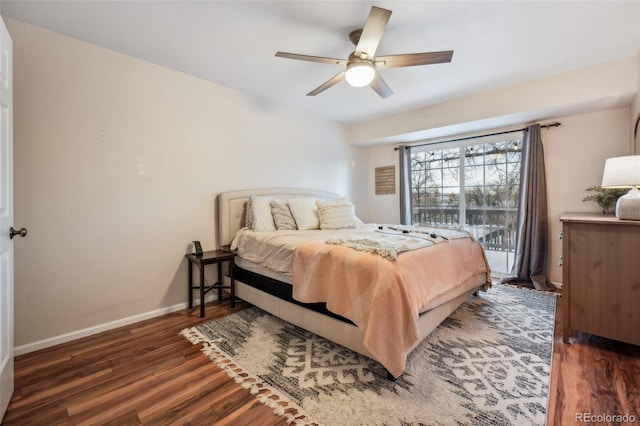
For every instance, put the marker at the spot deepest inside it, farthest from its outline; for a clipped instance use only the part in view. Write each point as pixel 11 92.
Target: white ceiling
pixel 233 43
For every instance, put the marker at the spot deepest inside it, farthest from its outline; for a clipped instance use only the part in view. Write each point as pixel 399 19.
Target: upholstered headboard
pixel 232 207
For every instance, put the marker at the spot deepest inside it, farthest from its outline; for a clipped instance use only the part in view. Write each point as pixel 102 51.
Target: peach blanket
pixel 382 297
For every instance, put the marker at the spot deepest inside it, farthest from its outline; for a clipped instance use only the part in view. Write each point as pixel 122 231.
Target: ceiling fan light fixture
pixel 360 73
pixel 362 65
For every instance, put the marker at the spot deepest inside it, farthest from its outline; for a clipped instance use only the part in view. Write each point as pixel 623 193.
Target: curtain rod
pixel 556 124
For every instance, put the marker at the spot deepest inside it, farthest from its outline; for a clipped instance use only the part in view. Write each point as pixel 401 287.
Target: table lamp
pixel 624 172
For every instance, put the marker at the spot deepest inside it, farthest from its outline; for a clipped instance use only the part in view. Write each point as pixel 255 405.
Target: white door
pixel 6 219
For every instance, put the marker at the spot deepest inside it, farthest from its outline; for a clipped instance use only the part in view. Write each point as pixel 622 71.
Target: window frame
pixel 462 146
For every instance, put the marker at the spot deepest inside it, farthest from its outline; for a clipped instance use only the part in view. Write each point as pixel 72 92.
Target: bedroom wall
pixel 117 162
pixel 383 208
pixel 575 154
pixel 635 110
pixel 594 88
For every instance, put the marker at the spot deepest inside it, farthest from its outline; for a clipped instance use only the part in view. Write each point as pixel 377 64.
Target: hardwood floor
pixel 593 376
pixel 146 373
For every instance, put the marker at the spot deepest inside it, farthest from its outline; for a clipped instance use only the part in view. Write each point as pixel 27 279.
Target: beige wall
pixel 384 208
pixel 117 163
pixel 595 88
pixel 574 158
pixel 635 112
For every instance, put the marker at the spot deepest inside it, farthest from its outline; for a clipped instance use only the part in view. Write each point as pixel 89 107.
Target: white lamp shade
pixel 621 172
pixel 360 74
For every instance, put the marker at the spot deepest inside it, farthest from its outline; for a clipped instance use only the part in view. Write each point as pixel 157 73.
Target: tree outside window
pixel 474 186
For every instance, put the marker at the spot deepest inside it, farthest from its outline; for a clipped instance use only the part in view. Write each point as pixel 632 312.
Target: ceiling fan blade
pixel 372 32
pixel 411 59
pixel 329 83
pixel 322 60
pixel 381 87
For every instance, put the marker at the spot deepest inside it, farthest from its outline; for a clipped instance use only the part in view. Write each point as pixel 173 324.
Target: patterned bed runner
pixel 389 241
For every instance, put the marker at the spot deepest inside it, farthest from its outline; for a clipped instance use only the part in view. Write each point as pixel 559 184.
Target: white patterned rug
pixel 487 364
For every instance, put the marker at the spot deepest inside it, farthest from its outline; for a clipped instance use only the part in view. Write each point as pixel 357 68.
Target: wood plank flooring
pixel 593 376
pixel 146 373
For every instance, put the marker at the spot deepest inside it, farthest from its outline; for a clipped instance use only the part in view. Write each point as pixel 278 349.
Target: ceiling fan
pixel 363 64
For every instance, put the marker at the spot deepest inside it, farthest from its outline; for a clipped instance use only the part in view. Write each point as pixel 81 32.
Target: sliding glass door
pixel 475 186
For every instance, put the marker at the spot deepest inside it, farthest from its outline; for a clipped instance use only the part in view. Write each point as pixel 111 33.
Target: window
pixel 475 185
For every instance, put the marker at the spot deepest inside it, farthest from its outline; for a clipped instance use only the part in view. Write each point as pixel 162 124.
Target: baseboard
pixel 63 338
pixel 557 284
pixel 496 279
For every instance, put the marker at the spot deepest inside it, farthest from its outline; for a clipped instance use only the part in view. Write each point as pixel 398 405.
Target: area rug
pixel 487 364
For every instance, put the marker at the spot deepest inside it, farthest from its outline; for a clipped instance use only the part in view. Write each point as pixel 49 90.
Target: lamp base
pixel 628 206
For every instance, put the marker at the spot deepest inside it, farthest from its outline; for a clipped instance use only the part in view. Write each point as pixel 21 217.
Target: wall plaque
pixel 385 180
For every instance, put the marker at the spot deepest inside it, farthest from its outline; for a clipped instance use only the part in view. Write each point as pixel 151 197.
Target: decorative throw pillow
pixel 340 200
pixel 282 216
pixel 259 216
pixel 248 214
pixel 304 212
pixel 336 215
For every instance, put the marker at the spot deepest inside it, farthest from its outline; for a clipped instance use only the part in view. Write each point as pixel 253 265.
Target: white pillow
pixel 305 212
pixel 336 215
pixel 339 200
pixel 259 216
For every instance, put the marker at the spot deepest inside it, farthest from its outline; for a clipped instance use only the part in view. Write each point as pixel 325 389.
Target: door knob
pixel 22 232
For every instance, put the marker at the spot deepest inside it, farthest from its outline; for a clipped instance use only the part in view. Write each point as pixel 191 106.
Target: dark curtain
pixel 530 266
pixel 405 184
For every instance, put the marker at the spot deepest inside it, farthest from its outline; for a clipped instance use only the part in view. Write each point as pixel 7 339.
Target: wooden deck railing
pixel 495 228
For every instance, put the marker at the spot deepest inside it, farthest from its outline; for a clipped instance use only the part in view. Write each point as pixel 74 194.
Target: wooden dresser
pixel 601 276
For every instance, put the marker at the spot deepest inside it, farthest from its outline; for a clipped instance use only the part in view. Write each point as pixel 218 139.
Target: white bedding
pixel 275 250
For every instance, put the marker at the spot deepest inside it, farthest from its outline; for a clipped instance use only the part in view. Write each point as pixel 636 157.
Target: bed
pixel 308 276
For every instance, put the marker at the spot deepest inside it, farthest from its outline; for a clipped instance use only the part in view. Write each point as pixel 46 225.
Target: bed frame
pixel 231 212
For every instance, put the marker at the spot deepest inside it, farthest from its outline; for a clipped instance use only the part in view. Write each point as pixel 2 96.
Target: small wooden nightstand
pixel 211 257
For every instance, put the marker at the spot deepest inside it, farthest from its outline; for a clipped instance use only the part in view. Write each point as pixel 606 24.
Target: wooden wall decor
pixel 385 180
